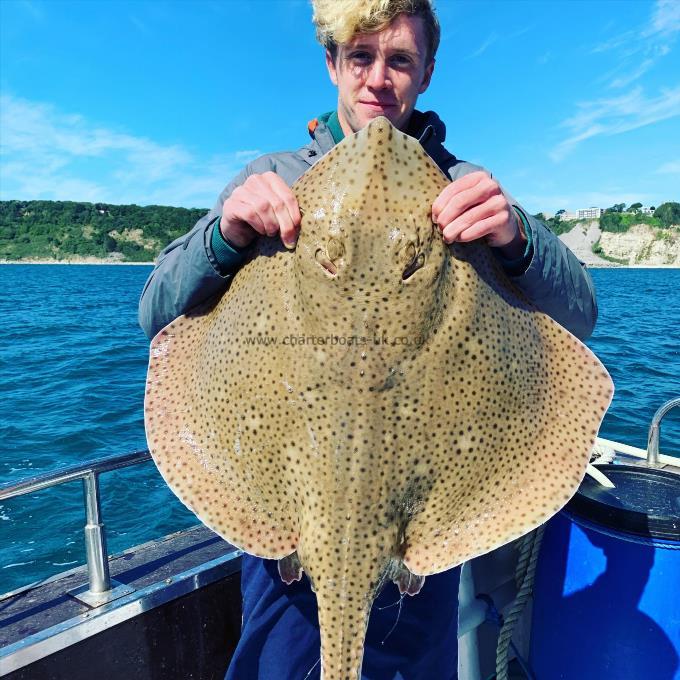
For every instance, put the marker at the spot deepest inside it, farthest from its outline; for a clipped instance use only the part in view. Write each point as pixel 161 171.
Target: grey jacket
pixel 188 272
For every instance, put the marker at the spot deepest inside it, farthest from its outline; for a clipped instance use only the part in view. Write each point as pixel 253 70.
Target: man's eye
pixel 360 57
pixel 401 60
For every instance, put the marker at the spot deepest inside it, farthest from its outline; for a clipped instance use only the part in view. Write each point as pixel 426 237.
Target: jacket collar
pixel 425 126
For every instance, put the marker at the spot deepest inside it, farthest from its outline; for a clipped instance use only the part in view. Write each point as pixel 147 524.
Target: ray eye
pixel 334 249
pixel 416 263
pixel 408 252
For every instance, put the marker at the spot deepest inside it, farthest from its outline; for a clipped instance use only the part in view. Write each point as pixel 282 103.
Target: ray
pixel 375 405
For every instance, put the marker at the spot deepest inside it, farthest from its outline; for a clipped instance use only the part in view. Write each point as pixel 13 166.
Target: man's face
pixel 381 74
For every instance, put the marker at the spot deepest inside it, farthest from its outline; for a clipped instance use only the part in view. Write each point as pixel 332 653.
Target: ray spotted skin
pixel 450 419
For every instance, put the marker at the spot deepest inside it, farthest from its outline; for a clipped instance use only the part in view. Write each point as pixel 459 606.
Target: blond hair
pixel 338 21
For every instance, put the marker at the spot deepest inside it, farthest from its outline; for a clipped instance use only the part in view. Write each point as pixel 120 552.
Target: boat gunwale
pixel 55 638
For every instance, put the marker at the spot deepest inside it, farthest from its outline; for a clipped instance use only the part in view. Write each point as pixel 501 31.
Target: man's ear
pixel 330 65
pixel 427 77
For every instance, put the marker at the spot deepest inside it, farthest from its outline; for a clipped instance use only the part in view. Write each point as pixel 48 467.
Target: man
pixel 381 55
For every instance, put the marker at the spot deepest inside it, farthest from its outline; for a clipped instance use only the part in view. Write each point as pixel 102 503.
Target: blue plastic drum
pixel 607 588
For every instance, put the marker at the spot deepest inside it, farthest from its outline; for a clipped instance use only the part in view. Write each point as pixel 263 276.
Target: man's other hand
pixel 472 207
pixel 263 204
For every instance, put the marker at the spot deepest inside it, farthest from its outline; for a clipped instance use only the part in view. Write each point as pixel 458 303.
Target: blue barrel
pixel 607 589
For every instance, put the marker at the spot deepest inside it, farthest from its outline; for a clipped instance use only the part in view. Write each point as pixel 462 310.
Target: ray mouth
pixel 329 268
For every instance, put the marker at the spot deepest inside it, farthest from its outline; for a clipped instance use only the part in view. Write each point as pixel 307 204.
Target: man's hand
pixel 263 204
pixel 473 207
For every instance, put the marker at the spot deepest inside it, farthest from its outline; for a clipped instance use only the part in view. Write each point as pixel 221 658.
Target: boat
pixel 171 608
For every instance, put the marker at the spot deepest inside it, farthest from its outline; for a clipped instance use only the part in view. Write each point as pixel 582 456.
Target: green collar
pixel 330 119
pixel 333 124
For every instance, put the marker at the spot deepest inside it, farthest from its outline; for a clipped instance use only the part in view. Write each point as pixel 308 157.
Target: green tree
pixel 109 244
pixel 559 226
pixel 612 221
pixel 59 229
pixel 668 214
pixel 616 208
pixel 634 207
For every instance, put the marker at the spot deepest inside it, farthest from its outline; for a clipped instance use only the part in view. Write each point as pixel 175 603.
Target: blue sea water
pixel 72 370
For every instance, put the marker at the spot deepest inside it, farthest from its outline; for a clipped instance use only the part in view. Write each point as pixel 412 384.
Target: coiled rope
pixel 529 547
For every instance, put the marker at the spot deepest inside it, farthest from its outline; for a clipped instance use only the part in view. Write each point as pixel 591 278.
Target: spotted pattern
pixel 464 420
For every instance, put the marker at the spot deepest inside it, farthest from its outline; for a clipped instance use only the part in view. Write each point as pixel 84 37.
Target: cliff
pixel 642 245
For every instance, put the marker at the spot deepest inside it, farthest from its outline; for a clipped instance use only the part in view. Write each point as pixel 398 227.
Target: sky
pixel 569 104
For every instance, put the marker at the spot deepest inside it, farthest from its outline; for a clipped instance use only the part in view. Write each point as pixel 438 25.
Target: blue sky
pixel 569 104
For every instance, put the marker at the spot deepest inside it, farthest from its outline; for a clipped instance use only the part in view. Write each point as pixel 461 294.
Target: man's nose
pixel 378 76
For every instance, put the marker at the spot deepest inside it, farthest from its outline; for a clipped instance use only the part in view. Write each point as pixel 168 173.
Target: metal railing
pixel 655 429
pixel 100 587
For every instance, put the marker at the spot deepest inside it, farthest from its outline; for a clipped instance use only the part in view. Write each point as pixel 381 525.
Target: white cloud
pixel 62 156
pixel 34 9
pixel 490 40
pixel 670 168
pixel 637 52
pixel 630 77
pixel 139 24
pixel 494 37
pixel 640 49
pixel 616 115
pixel 248 154
pixel 666 18
pixel 623 39
pixel 664 22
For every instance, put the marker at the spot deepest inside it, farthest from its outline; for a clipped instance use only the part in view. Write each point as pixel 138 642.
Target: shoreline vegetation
pixel 89 263
pixel 69 232
pixel 78 231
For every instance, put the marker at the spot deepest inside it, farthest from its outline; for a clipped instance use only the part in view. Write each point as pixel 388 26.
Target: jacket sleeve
pixel 557 282
pixel 186 272
pixel 552 277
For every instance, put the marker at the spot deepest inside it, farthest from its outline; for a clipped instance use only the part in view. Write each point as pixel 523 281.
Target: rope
pixel 529 547
pixel 524 547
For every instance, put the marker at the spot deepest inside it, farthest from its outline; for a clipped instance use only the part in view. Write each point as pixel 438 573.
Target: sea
pixel 72 370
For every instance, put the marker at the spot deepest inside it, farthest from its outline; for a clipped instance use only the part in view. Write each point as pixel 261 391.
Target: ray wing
pixel 216 410
pixel 523 400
